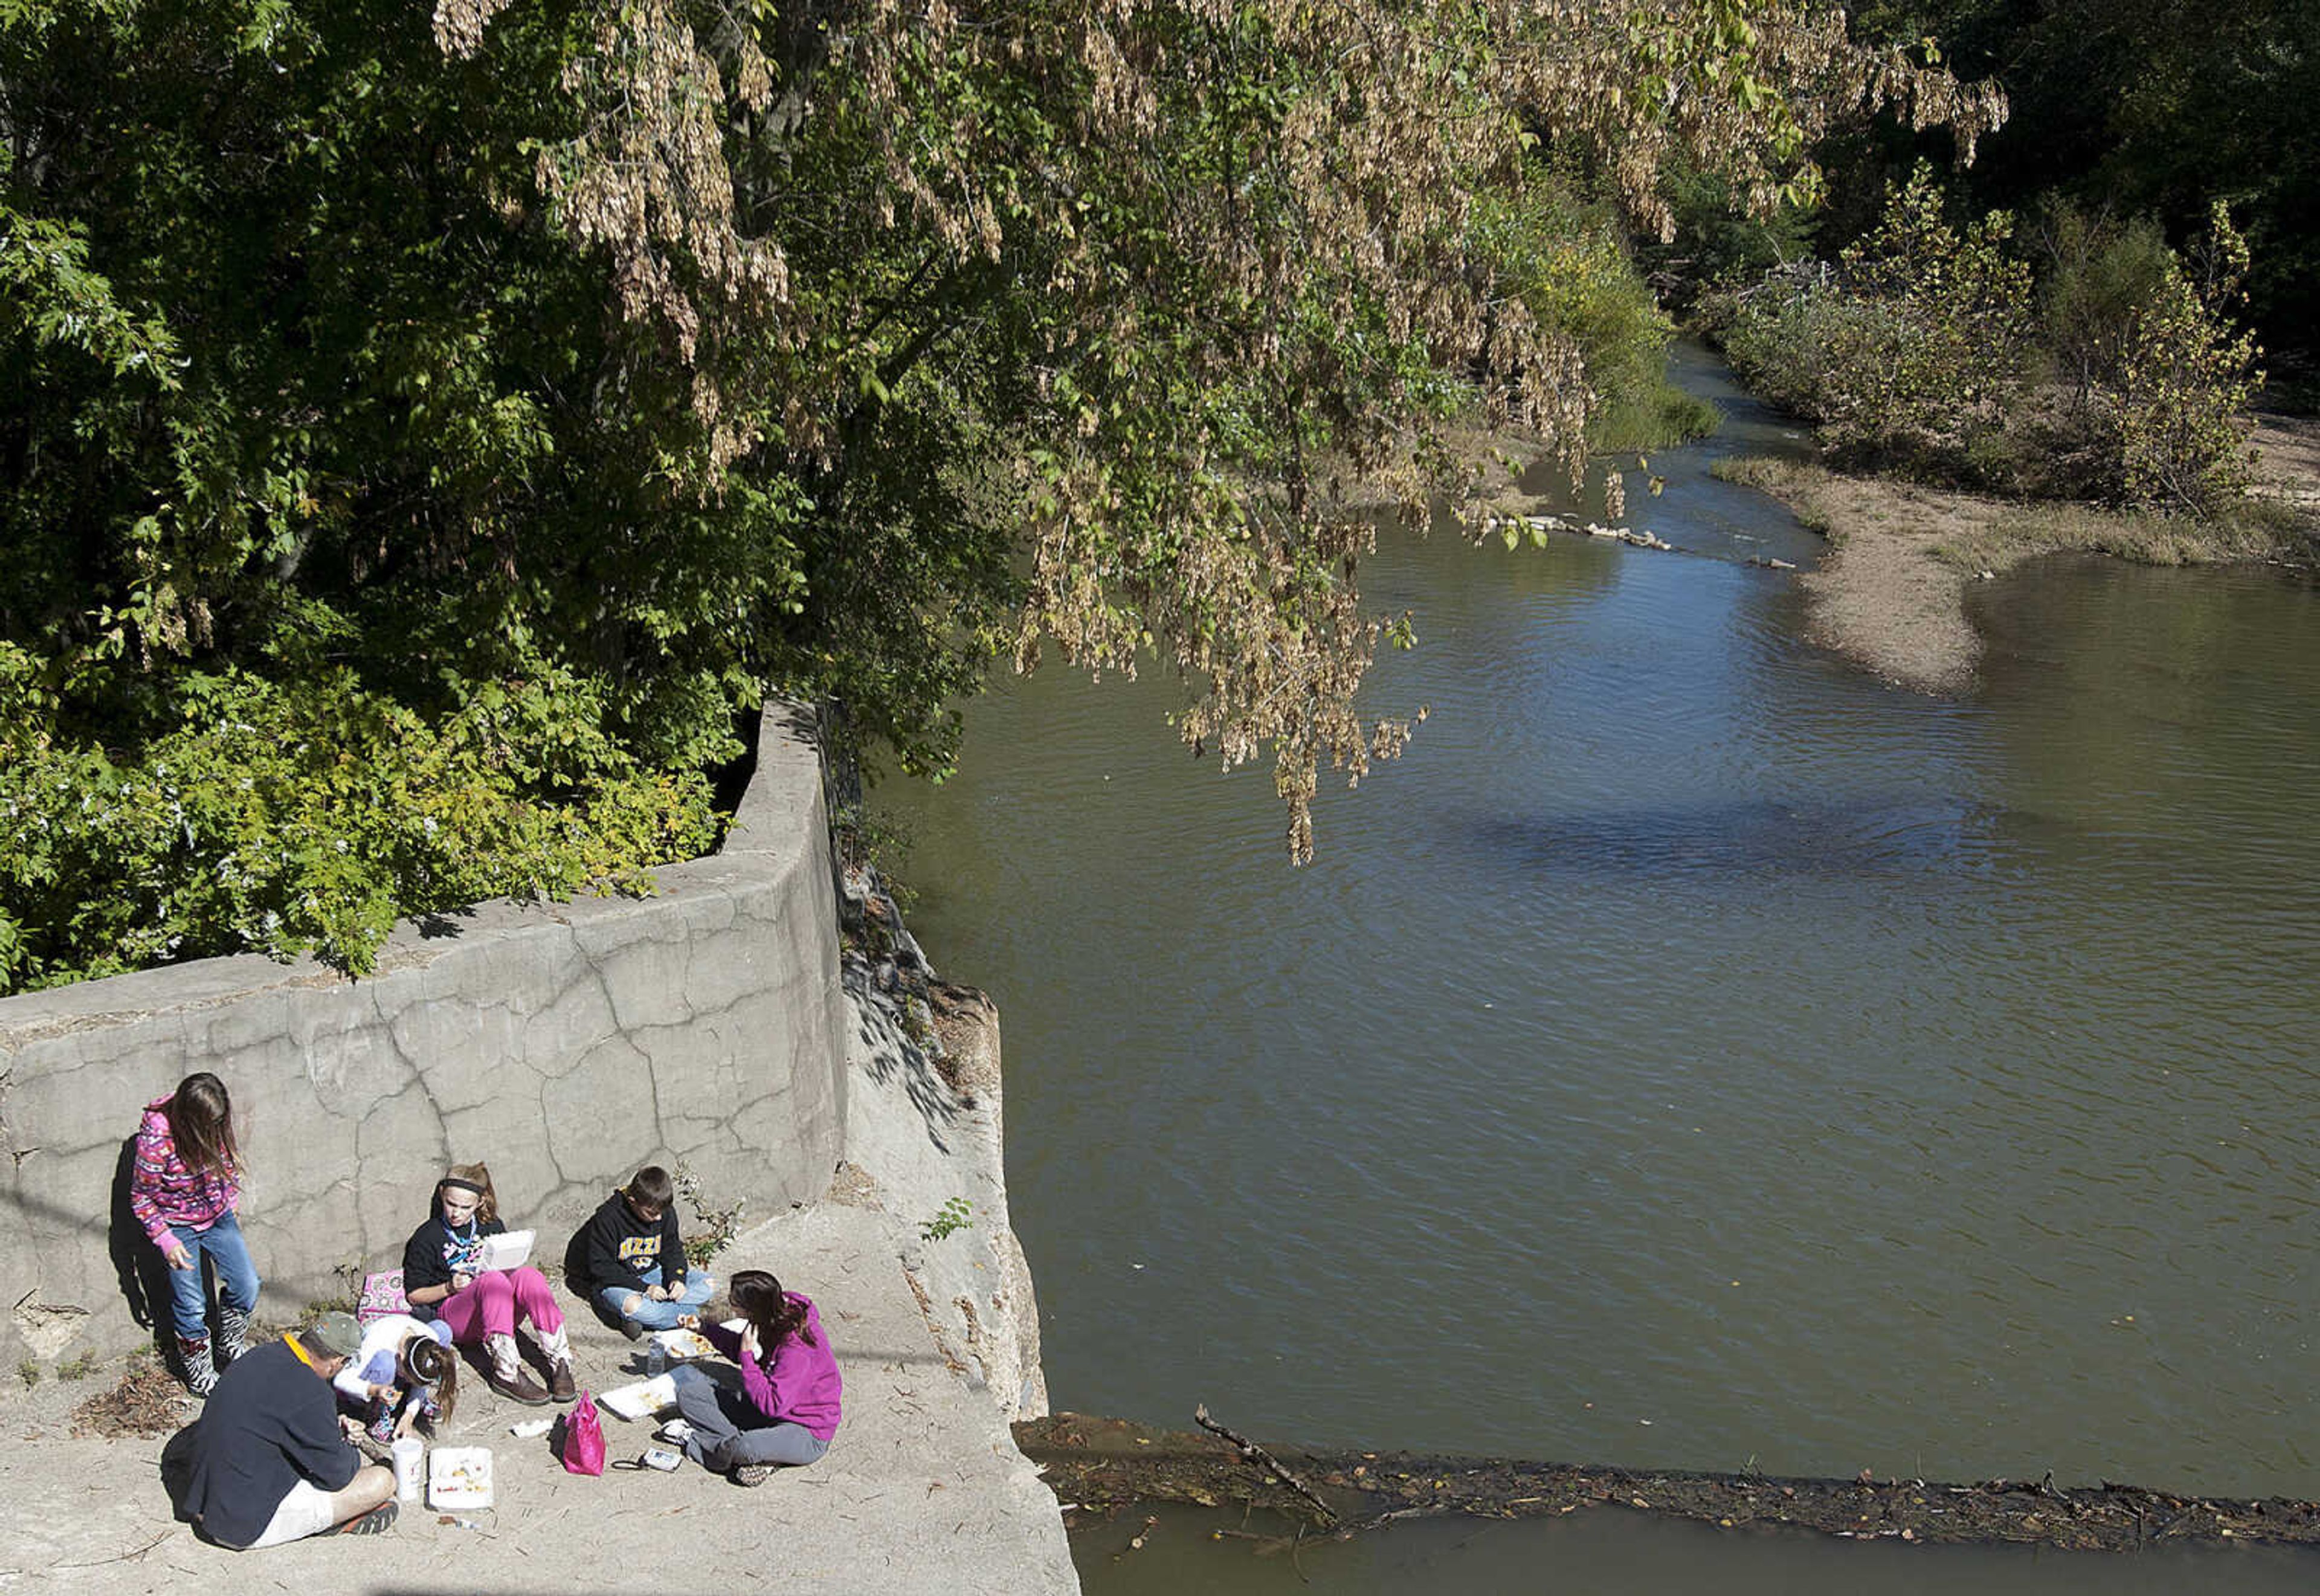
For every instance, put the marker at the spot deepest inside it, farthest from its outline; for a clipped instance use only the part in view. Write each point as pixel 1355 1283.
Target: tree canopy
pixel 2162 107
pixel 425 433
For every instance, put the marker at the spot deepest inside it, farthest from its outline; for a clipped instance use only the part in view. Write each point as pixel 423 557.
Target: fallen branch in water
pixel 1516 526
pixel 1251 1453
pixel 1103 1466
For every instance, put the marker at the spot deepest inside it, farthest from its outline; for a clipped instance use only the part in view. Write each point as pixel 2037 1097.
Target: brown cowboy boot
pixel 518 1387
pixel 506 1374
pixel 554 1344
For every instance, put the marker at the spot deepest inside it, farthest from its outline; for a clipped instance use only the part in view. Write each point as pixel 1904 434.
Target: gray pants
pixel 728 1430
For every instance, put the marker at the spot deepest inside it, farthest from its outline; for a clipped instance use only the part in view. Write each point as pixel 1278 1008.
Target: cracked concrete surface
pixel 924 1490
pixel 563 1044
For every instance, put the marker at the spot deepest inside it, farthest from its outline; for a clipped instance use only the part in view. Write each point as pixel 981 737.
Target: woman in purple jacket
pixel 786 1410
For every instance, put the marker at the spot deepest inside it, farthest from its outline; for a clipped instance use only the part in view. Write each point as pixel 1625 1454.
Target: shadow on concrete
pixel 139 1273
pixel 730 780
pixel 178 1469
pixel 803 721
pixel 900 1043
pixel 849 1353
pixel 138 1267
pixel 439 923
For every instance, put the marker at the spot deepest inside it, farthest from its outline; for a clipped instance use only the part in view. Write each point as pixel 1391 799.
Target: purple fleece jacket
pixel 798 1384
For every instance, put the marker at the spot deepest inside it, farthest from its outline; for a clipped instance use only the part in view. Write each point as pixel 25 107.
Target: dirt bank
pixel 1107 1465
pixel 1890 593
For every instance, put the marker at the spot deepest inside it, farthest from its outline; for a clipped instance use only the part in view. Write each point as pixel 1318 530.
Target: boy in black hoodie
pixel 631 1250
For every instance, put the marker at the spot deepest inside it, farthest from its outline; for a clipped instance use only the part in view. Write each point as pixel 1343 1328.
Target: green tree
pixel 493 403
pixel 2158 107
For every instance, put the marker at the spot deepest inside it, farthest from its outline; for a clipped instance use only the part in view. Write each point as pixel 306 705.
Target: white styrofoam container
pixel 642 1400
pixel 459 1477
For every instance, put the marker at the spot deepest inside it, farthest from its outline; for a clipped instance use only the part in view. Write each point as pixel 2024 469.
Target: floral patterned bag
pixel 381 1294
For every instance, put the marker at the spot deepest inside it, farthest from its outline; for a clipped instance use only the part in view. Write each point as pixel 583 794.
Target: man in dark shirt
pixel 270 1462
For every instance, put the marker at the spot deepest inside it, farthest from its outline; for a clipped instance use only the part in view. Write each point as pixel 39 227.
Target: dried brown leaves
pixel 1266 200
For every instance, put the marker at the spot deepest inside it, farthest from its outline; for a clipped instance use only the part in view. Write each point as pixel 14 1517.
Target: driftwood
pixel 1105 1465
pixel 1251 1453
pixel 1635 538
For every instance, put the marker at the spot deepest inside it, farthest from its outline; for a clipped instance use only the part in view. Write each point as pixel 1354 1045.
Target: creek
pixel 1692 1052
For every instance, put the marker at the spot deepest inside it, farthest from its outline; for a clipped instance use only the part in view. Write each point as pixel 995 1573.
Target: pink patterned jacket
pixel 164 1190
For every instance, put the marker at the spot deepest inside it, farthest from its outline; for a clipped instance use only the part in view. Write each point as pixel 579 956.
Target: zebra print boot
pixel 233 1335
pixel 194 1365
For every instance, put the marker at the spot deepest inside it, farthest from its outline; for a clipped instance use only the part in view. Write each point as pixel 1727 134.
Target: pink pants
pixel 496 1302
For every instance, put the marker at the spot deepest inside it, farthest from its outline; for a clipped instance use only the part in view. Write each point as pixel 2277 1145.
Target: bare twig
pixel 1253 1453
pixel 124 1557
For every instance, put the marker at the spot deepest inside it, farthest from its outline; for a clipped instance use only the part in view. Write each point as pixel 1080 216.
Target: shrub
pixel 1800 339
pixel 1960 306
pixel 2095 276
pixel 1915 349
pixel 2184 383
pixel 306 818
pixel 1909 348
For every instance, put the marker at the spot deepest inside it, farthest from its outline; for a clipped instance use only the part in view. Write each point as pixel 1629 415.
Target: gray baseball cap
pixel 336 1334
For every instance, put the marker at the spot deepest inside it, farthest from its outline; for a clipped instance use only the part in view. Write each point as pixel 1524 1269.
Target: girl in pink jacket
pixel 185 1185
pixel 786 1410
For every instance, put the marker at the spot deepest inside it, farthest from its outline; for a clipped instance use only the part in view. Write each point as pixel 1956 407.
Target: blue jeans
pixel 237 1276
pixel 699 1286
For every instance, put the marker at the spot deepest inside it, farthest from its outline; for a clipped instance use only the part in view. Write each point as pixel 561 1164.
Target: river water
pixel 1692 1052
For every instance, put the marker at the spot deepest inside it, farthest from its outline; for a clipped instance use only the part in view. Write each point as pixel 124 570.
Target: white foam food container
pixel 459 1477
pixel 642 1400
pixel 685 1344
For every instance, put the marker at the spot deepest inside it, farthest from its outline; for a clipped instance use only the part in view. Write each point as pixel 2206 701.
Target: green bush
pixel 1802 340
pixel 1909 348
pixel 2095 276
pixel 1917 350
pixel 2184 384
pixel 2150 380
pixel 308 817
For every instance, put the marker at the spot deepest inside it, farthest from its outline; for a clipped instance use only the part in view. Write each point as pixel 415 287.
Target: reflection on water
pixel 1608 1552
pixel 1861 837
pixel 1691 1052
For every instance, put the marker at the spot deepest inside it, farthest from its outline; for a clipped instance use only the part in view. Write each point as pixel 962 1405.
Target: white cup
pixel 409 1451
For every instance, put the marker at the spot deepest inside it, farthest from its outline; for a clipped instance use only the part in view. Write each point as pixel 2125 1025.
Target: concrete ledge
pixel 565 1044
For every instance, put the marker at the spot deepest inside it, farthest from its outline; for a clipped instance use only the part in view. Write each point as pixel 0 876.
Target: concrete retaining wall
pixel 563 1044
